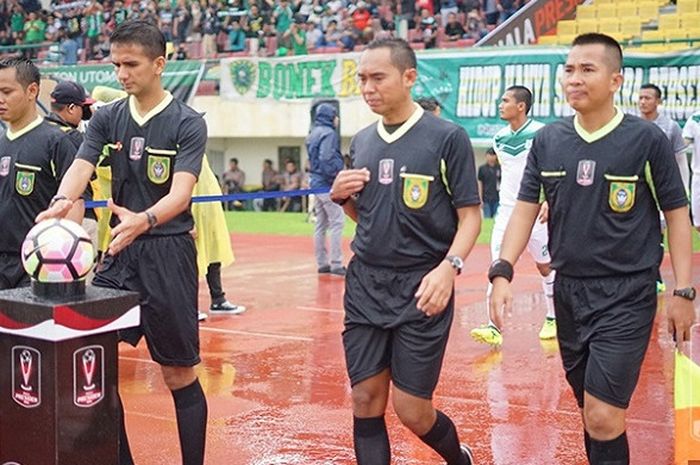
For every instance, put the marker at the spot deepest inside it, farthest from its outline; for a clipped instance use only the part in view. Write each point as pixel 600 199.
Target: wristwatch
pixel 152 220
pixel 687 293
pixel 456 262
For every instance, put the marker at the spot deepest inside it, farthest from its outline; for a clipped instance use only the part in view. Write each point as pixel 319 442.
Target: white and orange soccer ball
pixel 57 251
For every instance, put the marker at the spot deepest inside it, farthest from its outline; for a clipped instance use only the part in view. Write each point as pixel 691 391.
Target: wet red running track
pixel 278 394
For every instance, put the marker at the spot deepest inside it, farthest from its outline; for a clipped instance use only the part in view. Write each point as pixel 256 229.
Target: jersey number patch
pixel 415 189
pixel 158 169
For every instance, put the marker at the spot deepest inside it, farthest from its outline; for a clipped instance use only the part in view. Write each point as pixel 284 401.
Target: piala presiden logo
pixel 26 376
pixel 243 75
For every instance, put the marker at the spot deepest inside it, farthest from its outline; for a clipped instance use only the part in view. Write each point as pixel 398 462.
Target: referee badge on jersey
pixel 158 169
pixel 5 166
pixel 415 189
pixel 386 171
pixel 24 182
pixel 585 172
pixel 622 192
pixel 138 144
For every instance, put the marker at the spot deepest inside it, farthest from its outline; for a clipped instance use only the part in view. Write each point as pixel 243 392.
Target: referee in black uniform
pixel 156 149
pixel 604 235
pixel 34 156
pixel 414 196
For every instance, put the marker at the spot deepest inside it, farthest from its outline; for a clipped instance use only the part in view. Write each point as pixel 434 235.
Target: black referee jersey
pixel 145 153
pixel 420 174
pixel 603 215
pixel 32 164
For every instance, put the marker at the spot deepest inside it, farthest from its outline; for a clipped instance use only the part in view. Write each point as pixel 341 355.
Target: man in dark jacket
pixel 325 161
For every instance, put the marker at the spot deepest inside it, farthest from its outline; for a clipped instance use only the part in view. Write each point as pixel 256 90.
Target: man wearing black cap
pixel 69 106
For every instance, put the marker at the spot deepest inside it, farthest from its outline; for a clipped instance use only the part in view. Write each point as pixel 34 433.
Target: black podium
pixel 58 376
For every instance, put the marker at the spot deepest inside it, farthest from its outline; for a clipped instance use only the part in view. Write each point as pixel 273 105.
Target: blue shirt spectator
pixel 323 146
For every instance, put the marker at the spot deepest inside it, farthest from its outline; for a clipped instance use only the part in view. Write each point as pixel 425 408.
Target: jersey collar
pixel 16 135
pixel 521 128
pixel 591 137
pixel 142 120
pixel 403 129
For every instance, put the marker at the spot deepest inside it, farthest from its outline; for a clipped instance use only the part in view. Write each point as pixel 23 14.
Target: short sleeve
pixel 665 175
pixel 531 183
pixel 96 137
pixel 192 141
pixel 459 169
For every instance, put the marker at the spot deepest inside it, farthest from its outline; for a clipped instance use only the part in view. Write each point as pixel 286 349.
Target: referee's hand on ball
pixel 131 225
pixel 501 300
pixel 349 182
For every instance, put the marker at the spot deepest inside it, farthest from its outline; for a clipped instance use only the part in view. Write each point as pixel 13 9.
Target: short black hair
pixel 490 151
pixel 233 160
pixel 522 95
pixel 652 86
pixel 268 161
pixel 428 103
pixel 143 33
pixel 610 44
pixel 26 71
pixel 402 55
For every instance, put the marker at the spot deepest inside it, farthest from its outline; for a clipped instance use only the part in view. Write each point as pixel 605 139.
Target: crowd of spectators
pixel 71 31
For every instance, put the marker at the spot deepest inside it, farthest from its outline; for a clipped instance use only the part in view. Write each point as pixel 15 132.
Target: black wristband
pixel 56 198
pixel 152 220
pixel 338 201
pixel 501 268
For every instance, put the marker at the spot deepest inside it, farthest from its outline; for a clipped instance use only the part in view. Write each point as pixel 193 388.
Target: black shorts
pixel 163 270
pixel 604 326
pixel 12 274
pixel 384 329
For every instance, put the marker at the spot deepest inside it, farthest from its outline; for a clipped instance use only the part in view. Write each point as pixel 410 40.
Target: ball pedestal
pixel 58 373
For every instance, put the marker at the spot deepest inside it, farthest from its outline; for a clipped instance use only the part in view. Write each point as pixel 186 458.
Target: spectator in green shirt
pixel 297 34
pixel 283 17
pixel 34 29
pixel 16 22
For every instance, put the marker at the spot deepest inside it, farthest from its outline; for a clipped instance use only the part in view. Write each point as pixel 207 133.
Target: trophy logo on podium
pixel 26 376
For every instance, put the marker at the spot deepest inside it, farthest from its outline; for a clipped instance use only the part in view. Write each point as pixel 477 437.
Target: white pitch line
pixel 255 333
pixel 319 309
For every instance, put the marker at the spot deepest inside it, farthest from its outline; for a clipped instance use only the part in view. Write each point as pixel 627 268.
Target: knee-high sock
pixel 371 441
pixel 442 438
pixel 125 457
pixel 613 452
pixel 191 411
pixel 548 289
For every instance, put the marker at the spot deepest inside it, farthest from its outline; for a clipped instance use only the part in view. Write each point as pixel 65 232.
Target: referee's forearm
pixel 518 230
pixel 76 179
pixel 680 245
pixel 467 231
pixel 350 210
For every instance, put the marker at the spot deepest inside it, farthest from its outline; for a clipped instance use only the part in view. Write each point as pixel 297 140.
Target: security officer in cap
pixel 70 105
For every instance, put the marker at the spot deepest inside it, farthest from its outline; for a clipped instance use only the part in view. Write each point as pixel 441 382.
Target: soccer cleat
pixel 660 287
pixel 467 454
pixel 487 334
pixel 549 329
pixel 325 269
pixel 227 308
pixel 201 316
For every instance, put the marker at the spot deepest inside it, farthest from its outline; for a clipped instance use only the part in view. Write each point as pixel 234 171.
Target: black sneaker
pixel 467 454
pixel 325 269
pixel 227 308
pixel 338 271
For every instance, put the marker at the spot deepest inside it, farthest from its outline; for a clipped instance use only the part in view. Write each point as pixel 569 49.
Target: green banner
pixel 179 76
pixel 470 85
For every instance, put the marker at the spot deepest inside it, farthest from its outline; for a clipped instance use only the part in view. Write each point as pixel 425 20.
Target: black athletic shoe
pixel 325 269
pixel 467 454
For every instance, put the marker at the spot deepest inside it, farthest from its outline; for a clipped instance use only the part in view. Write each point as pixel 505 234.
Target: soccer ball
pixel 57 251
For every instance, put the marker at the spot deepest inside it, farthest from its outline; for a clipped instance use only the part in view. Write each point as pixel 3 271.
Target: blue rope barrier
pixel 234 197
